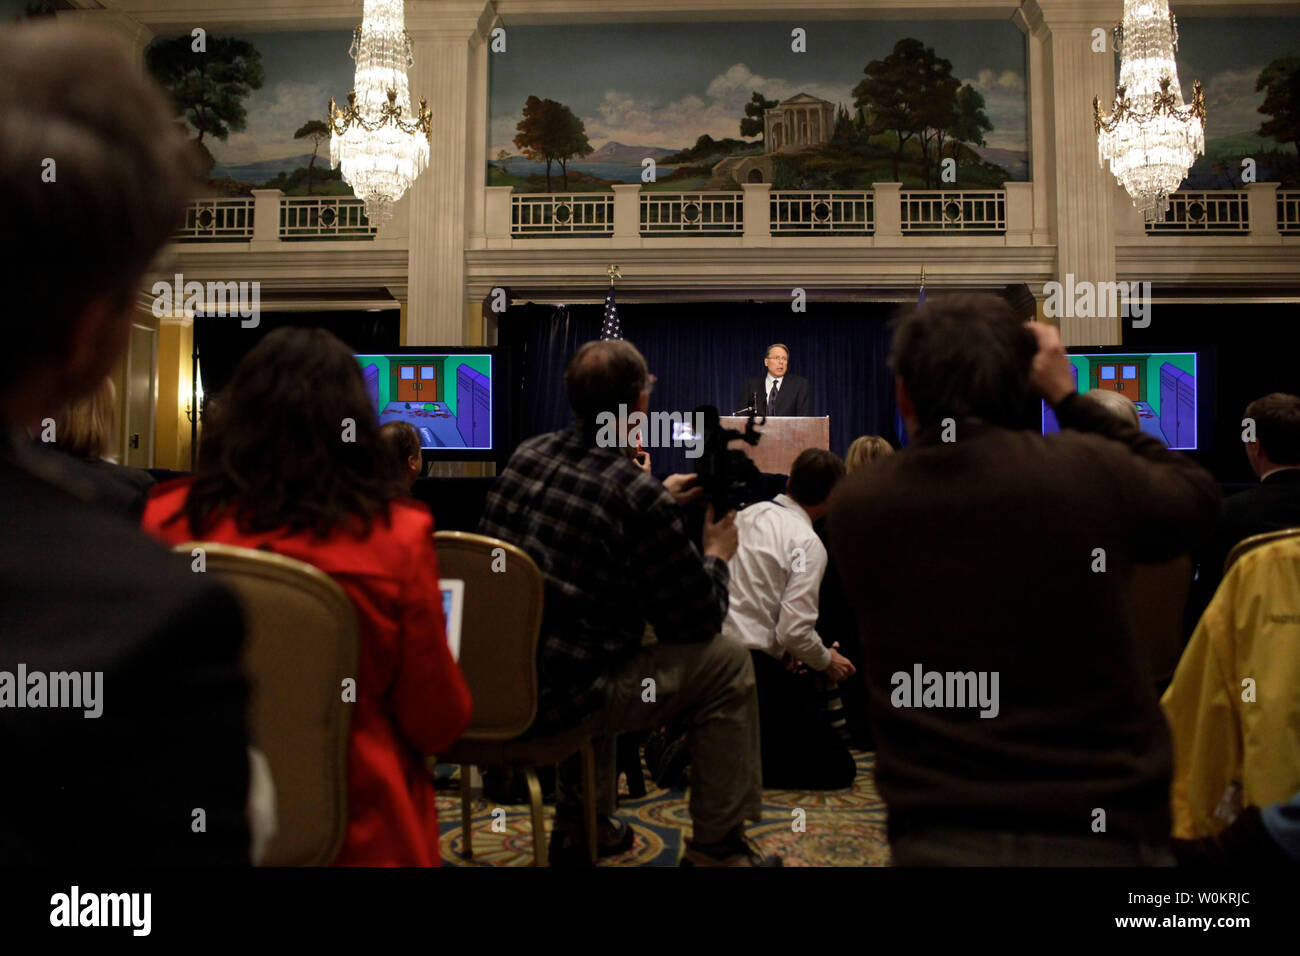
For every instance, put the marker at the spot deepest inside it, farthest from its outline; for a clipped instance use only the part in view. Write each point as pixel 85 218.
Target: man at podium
pixel 776 393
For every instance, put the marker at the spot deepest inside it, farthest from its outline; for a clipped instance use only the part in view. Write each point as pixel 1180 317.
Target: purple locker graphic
pixel 473 407
pixel 371 376
pixel 1050 424
pixel 1177 406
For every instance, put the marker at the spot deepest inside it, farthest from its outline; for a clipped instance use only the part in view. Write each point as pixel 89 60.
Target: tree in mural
pixel 317 132
pixel 969 121
pixel 573 143
pixel 1281 82
pixel 752 124
pixel 844 130
pixel 889 94
pixel 208 88
pixel 550 133
pixel 935 97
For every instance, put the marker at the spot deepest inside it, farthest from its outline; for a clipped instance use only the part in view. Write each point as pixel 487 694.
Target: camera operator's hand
pixel 840 666
pixel 679 486
pixel 720 537
pixel 1050 374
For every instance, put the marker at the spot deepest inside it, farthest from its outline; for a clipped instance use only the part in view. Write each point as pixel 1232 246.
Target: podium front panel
pixel 783 440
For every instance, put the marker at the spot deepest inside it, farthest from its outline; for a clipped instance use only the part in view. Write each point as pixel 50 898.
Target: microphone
pixel 752 409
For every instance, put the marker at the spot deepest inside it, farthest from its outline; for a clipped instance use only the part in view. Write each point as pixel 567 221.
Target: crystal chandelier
pixel 1150 138
pixel 380 153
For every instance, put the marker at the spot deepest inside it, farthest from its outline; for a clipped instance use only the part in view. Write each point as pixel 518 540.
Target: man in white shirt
pixel 776 575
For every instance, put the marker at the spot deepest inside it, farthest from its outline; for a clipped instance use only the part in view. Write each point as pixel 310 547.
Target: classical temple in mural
pixel 798 123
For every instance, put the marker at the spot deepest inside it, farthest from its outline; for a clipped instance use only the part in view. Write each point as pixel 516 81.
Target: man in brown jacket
pixel 989 569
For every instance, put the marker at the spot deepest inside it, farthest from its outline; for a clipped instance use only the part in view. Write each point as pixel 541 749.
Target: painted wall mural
pixel 1250 70
pixel 257 105
pixel 717 104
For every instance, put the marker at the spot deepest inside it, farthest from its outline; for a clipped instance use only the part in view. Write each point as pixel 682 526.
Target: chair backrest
pixel 302 643
pixel 504 591
pixel 1254 541
pixel 1159 599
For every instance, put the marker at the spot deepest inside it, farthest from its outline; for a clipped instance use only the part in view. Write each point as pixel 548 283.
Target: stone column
pixel 133 35
pixel 1080 191
pixel 446 37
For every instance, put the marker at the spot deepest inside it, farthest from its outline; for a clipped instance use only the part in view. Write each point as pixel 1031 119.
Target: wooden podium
pixel 783 439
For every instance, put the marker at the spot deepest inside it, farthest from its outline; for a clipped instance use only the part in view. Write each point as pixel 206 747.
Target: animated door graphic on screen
pixel 1123 377
pixel 416 382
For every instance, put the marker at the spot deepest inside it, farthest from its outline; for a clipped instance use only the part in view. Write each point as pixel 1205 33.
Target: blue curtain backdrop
pixel 701 352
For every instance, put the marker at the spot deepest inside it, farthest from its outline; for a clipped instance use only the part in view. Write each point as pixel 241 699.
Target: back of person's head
pixel 1277 427
pixel 864 450
pixel 403 443
pixel 966 356
pixel 94 174
pixel 813 476
pixel 1115 403
pixel 294 441
pixel 603 375
pixel 84 427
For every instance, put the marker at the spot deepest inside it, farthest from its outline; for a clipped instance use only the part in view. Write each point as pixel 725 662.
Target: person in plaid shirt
pixel 629 597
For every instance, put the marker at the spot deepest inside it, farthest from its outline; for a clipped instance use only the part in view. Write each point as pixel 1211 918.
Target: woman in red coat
pixel 292 462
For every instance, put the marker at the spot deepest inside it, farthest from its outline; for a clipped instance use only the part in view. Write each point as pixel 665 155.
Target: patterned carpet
pixel 840 827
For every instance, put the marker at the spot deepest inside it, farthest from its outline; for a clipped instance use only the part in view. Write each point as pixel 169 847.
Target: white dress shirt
pixel 776 575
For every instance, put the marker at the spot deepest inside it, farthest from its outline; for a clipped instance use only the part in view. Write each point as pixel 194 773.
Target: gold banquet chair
pixel 302 643
pixel 498 657
pixel 1254 541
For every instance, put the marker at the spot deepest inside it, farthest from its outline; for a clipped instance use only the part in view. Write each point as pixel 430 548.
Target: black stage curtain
pixel 700 352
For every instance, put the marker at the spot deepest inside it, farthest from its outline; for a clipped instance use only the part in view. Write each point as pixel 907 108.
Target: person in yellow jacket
pixel 1234 703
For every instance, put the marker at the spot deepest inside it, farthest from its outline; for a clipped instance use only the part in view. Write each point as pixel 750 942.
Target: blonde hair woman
pixel 84 428
pixel 865 450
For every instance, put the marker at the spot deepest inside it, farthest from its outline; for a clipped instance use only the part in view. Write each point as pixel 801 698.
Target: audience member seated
pixel 1115 403
pixel 84 429
pixel 775 576
pixel 155 724
pixel 835 619
pixel 276 472
pixel 1274 456
pixel 610 541
pixel 1014 718
pixel 1233 705
pixel 864 450
pixel 403 442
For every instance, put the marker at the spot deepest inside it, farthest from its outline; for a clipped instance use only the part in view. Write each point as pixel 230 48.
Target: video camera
pixel 729 479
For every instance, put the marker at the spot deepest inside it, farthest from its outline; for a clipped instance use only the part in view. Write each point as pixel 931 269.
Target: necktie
pixel 771 398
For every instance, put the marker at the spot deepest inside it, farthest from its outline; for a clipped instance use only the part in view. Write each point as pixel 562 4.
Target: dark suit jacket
pixel 980 555
pixel 83 590
pixel 791 399
pixel 1274 505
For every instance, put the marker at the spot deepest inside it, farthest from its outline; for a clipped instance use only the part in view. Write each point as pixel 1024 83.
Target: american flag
pixel 611 329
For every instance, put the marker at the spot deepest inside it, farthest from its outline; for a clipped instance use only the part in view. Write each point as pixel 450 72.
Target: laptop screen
pixel 453 611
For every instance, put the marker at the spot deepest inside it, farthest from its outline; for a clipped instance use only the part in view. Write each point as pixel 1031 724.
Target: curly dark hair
pixel 293 443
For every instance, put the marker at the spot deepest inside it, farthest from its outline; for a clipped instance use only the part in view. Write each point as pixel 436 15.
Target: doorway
pixel 1124 377
pixel 417 382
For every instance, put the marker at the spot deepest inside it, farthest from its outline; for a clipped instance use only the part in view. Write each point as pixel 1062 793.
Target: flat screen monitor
pixel 1169 390
pixel 452 397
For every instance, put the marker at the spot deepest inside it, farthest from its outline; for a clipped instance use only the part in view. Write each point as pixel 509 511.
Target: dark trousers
pixel 958 846
pixel 800 748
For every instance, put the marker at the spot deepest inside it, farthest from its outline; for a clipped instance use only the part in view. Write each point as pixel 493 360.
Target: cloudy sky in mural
pixel 1227 55
pixel 666 84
